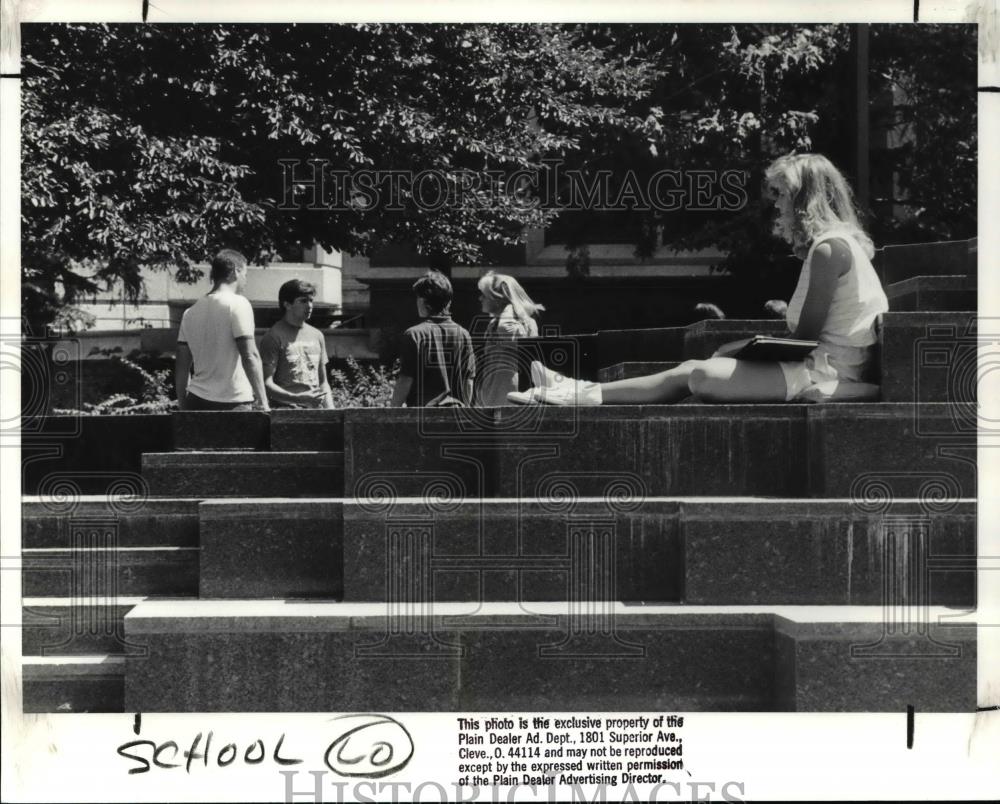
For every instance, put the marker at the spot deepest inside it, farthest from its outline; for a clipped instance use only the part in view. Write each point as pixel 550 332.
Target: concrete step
pixel 657 450
pixel 828 552
pixel 223 656
pixel 782 450
pixel 231 430
pixel 281 430
pixel 304 430
pixel 510 550
pixel 877 452
pixel 244 474
pixel 72 455
pixel 633 548
pixel 109 572
pixel 624 371
pixel 73 683
pixel 934 293
pixel 60 626
pixel 703 551
pixel 946 258
pixel 934 357
pixel 48 522
pixel 264 548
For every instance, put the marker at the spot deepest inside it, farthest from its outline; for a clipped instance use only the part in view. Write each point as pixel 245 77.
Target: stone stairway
pixel 613 558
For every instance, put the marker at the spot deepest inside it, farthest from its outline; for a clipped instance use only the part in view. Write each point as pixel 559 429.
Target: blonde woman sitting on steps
pixel 837 302
pixel 512 316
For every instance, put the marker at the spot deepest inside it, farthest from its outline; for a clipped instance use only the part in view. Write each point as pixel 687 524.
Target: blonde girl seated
pixel 837 302
pixel 512 316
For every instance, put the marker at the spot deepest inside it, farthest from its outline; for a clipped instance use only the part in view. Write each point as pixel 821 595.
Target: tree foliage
pixel 151 146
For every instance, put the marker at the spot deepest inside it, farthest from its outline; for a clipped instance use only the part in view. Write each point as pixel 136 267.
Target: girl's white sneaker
pixel 571 392
pixel 542 377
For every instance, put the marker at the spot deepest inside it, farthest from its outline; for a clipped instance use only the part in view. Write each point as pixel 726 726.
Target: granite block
pixel 676 663
pixel 244 474
pixel 878 452
pixel 83 684
pixel 316 661
pixel 167 571
pixel 641 345
pixel 142 523
pixel 226 656
pixel 446 453
pixel 866 667
pixel 626 371
pixel 307 430
pixel 490 550
pixel 946 258
pixel 221 430
pixel 933 293
pixel 90 454
pixel 271 549
pixel 820 552
pixel 932 357
pixel 639 451
pixel 701 339
pixel 289 672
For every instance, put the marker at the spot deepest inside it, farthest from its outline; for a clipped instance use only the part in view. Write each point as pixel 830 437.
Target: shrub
pixel 363 386
pixel 155 394
pixel 353 385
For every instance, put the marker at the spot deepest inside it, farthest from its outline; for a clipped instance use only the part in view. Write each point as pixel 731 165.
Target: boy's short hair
pixel 435 289
pixel 225 265
pixel 294 289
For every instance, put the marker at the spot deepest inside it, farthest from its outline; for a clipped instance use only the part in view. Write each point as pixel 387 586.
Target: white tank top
pixel 858 298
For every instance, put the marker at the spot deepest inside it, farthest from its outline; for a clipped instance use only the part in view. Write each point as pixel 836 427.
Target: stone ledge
pixel 78 626
pixel 142 523
pixel 209 656
pixel 73 684
pixel 822 553
pixel 133 571
pixel 232 430
pixel 293 430
pixel 244 474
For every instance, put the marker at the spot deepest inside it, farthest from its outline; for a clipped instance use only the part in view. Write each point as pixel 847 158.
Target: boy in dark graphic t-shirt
pixel 294 353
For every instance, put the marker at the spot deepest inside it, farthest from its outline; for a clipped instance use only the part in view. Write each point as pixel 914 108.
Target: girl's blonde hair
pixel 821 198
pixel 508 291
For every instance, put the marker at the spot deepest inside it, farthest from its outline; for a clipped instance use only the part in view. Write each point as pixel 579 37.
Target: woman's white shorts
pixel 828 366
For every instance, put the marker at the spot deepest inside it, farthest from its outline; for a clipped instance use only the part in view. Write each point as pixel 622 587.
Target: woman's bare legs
pixel 718 379
pixel 724 379
pixel 666 386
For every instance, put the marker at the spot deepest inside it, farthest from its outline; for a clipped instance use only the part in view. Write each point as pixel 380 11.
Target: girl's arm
pixel 831 259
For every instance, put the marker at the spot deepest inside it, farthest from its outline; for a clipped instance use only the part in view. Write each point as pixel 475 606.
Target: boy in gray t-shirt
pixel 294 353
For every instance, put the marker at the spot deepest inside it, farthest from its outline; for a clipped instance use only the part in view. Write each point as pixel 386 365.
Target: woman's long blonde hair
pixel 821 199
pixel 506 290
